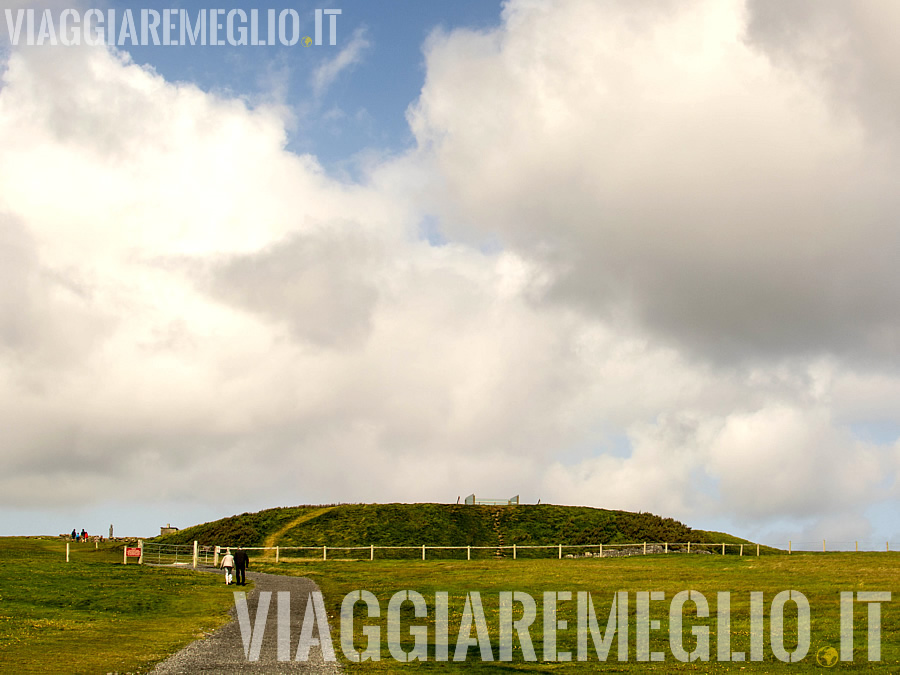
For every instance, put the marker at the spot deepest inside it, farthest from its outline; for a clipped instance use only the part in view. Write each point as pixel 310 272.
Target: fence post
pixel 96 544
pixel 514 551
pixel 469 553
pixel 560 551
pixel 723 548
pixel 141 547
pixel 216 557
pixel 196 553
pixel 789 546
pixel 757 550
pixel 125 554
pixel 423 551
pixel 823 546
pixel 645 548
pixel 67 551
pixel 601 550
pixel 857 546
pixel 742 551
pixel 887 545
pixel 689 547
pixel 666 547
pixel 324 553
pixel 371 551
pixel 277 554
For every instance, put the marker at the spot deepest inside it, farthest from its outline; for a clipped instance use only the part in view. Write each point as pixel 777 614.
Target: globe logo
pixel 827 657
pixel 307 41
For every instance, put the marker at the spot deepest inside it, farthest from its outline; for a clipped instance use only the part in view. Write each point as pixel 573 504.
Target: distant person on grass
pixel 227 564
pixel 241 563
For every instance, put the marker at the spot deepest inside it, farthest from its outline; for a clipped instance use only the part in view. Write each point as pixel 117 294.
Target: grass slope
pixel 275 537
pixel 94 614
pixel 819 576
pixel 442 525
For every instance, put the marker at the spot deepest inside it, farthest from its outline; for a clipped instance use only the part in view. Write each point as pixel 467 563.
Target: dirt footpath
pixel 223 651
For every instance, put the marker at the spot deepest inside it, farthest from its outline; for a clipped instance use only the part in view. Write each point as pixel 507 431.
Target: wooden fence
pixel 515 551
pixel 209 555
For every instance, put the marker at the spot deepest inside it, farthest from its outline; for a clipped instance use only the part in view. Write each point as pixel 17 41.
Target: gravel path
pixel 223 651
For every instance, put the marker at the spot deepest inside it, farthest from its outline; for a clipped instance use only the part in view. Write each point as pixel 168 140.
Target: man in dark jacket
pixel 241 563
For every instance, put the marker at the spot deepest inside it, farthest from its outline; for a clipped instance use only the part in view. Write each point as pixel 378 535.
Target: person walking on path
pixel 224 650
pixel 241 563
pixel 227 564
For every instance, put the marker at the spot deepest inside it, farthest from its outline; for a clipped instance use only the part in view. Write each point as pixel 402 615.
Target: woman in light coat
pixel 227 564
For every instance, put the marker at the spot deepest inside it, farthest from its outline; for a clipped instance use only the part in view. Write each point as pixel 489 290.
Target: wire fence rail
pixel 195 554
pixel 514 551
pixel 836 546
pixel 181 555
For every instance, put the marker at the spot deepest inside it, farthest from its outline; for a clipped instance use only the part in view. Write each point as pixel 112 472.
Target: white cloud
pixel 783 460
pixel 692 311
pixel 350 55
pixel 848 47
pixel 664 166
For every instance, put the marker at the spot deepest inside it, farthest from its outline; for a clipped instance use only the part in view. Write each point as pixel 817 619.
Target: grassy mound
pixel 442 525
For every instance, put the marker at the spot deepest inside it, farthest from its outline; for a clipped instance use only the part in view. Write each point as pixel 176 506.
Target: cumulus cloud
pixel 664 166
pixel 321 285
pixel 798 455
pixel 848 48
pixel 690 310
pixel 261 309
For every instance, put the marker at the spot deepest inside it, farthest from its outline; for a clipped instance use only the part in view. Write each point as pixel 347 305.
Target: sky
pixel 628 255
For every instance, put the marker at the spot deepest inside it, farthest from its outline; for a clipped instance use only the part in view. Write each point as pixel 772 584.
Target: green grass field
pixel 820 577
pixel 95 615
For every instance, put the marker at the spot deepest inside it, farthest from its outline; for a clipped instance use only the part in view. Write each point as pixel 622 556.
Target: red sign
pixel 132 552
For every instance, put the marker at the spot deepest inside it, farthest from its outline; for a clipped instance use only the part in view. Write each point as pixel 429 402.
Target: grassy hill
pixel 442 525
